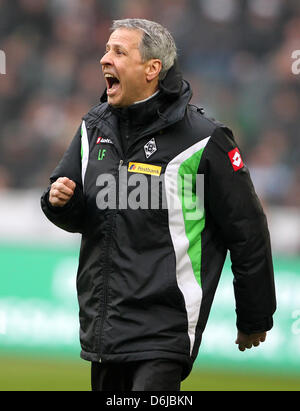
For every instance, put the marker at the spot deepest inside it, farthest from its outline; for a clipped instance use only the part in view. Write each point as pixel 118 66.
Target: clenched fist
pixel 61 192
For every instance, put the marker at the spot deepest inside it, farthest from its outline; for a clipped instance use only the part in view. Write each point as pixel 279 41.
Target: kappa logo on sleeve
pixel 236 159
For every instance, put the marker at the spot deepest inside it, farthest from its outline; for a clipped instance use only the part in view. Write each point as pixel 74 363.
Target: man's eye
pixel 118 52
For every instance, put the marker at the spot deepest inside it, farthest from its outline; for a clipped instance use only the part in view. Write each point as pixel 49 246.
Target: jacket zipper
pixel 108 258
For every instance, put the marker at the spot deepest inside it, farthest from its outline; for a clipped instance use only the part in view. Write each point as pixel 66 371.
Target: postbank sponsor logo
pixel 144 169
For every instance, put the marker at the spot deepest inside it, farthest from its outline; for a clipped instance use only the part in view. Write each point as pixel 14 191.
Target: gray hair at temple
pixel 157 42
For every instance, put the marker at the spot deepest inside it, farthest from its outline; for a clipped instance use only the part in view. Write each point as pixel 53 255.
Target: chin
pixel 114 102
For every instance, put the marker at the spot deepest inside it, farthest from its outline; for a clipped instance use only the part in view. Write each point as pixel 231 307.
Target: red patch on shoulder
pixel 236 159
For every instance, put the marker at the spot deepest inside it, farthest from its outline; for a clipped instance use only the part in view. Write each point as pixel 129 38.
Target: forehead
pixel 128 38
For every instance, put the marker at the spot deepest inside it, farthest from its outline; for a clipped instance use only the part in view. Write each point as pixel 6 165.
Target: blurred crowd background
pixel 235 53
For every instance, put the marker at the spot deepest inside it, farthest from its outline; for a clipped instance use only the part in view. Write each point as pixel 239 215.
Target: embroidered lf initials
pixel 101 154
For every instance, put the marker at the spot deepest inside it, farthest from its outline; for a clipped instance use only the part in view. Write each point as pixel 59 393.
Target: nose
pixel 106 60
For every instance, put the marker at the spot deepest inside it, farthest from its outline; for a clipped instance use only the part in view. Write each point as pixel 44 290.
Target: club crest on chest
pixel 150 148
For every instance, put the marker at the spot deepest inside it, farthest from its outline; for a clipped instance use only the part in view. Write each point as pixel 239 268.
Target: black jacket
pixel 148 271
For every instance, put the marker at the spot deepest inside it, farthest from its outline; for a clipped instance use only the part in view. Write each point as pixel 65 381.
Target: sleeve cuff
pixel 53 209
pixel 255 327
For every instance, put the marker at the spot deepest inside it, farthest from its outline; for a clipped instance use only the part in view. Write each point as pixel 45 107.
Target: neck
pixel 146 99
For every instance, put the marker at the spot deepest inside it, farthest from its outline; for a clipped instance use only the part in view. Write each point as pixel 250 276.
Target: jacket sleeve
pixel 69 217
pixel 238 214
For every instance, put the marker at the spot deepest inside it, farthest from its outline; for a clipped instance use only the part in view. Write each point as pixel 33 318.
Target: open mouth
pixel 112 83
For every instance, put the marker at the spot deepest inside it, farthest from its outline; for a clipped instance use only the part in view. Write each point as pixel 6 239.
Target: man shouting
pixel 147 275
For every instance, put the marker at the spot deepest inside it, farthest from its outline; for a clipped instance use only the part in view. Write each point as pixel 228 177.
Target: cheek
pixel 133 81
pixel 137 80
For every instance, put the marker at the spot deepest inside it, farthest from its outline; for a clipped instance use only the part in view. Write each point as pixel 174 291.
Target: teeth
pixel 109 75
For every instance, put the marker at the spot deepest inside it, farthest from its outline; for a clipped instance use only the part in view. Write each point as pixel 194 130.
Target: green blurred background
pixel 237 56
pixel 39 342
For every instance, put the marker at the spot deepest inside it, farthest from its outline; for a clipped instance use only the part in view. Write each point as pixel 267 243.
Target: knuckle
pixel 60 186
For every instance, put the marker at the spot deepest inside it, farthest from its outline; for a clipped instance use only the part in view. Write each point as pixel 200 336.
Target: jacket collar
pixel 163 110
pixel 170 86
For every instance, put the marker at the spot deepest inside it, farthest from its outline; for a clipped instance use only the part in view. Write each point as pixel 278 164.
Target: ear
pixel 153 68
